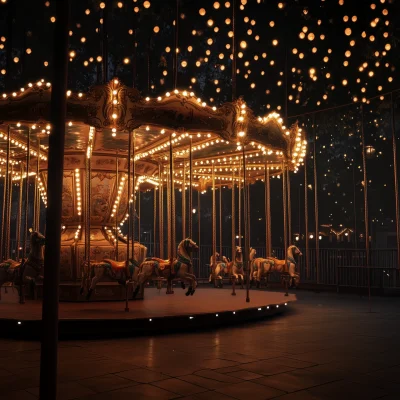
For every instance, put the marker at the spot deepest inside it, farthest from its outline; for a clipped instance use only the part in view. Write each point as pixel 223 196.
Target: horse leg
pixel 93 284
pixel 193 283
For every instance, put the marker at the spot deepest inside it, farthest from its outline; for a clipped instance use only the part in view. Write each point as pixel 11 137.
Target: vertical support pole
pixel 2 217
pixel 138 214
pixel 128 237
pixel 306 217
pixel 171 203
pixel 233 227
pixel 190 189
pixel 316 203
pixel 48 359
pixel 19 213
pixel 6 198
pixel 240 208
pixel 161 212
pixel 199 227
pixel 289 207
pixel 37 193
pixel 267 222
pixel 133 196
pixel 284 193
pixel 214 220
pixel 220 220
pixel 246 252
pixel 396 179
pixel 8 220
pixel 234 76
pixel 355 207
pixel 105 42
pixel 154 220
pixel 366 216
pixel 184 202
pixel 116 210
pixel 176 35
pixel 28 159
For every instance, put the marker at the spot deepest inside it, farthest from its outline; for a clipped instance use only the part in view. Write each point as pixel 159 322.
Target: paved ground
pixel 328 347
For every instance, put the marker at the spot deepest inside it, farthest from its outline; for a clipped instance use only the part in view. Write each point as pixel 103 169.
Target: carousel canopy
pixel 101 120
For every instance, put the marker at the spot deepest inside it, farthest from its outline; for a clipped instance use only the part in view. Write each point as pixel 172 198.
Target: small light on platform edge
pixel 19 323
pixel 259 309
pixel 150 320
pixel 191 317
pixel 277 306
pixel 234 312
pixel 285 304
pixel 216 315
pixel 267 307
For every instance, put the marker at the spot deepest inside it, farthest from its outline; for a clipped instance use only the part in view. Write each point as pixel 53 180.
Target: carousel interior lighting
pixel 77 232
pixel 118 197
pixel 78 192
pixel 42 191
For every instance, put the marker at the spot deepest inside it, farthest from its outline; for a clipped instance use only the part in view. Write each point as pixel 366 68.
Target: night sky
pixel 295 57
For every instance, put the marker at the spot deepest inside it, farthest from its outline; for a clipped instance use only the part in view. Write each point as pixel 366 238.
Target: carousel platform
pixel 158 313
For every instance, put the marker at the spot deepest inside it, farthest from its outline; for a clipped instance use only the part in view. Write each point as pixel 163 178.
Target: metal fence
pixel 337 267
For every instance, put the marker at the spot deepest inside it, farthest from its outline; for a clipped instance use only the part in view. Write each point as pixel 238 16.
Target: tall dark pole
pixel 49 344
pixel 396 180
pixel 28 160
pixel 105 42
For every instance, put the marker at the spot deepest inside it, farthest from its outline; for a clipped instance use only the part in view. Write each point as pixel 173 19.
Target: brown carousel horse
pixel 264 266
pixel 114 270
pixel 180 268
pixel 234 269
pixel 217 263
pixel 26 271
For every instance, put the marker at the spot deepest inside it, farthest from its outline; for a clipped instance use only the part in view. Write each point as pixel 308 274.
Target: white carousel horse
pixel 114 270
pixel 217 263
pixel 26 271
pixel 154 268
pixel 264 266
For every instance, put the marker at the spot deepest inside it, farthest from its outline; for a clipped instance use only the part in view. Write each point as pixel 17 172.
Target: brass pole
pixel 284 192
pixel 128 236
pixel 240 208
pixel 171 205
pixel 306 217
pixel 199 228
pixel 396 180
pixel 133 196
pixel 138 213
pixel 28 159
pixel 154 220
pixel 38 207
pixel 214 219
pixel 269 214
pixel 220 220
pixel 190 189
pixel 246 252
pixel 2 216
pixel 316 213
pixel 183 197
pixel 116 210
pixel 8 221
pixel 6 197
pixel 289 207
pixel 266 179
pixel 366 216
pixel 161 212
pixel 233 216
pixel 19 212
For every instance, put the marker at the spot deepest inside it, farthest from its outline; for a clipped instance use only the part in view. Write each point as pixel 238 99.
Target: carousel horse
pixel 232 268
pixel 219 263
pixel 264 266
pixel 26 271
pixel 180 268
pixel 114 270
pixel 238 267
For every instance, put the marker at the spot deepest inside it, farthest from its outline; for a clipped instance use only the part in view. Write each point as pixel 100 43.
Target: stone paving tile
pixel 371 379
pixel 106 383
pixel 142 375
pixel 347 389
pixel 211 395
pixel 203 382
pixel 179 386
pixel 245 375
pixel 266 367
pixel 228 369
pixel 18 395
pixel 67 391
pixel 208 373
pixel 388 374
pixel 295 380
pixel 246 390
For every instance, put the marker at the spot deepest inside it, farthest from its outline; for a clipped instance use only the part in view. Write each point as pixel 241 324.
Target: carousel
pixel 119 144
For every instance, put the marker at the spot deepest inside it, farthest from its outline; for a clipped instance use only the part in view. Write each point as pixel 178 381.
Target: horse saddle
pixel 10 264
pixel 161 264
pixel 115 264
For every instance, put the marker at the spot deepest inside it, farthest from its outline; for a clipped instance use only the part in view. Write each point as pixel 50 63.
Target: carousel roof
pixel 103 118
